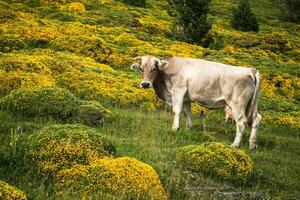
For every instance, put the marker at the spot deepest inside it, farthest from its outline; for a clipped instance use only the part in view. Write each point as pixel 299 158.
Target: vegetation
pixel 140 3
pixel 243 18
pixel 292 10
pixel 191 18
pixel 217 160
pixel 68 62
pixel 126 178
pixel 57 147
pixel 9 192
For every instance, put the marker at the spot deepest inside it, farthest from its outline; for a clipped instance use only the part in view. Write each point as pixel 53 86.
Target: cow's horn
pixel 138 58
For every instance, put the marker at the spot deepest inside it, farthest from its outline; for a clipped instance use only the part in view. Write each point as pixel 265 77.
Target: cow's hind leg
pixel 254 126
pixel 188 114
pixel 240 119
pixel 177 99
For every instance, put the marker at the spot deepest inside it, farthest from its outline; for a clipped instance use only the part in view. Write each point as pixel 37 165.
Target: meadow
pixel 72 113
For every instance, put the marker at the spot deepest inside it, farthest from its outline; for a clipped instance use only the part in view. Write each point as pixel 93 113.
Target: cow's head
pixel 149 67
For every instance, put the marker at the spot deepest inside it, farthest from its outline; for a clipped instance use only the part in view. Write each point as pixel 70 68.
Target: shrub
pixel 9 43
pixel 48 101
pixel 20 80
pixel 292 10
pixel 121 178
pixel 74 7
pixel 114 87
pixel 91 113
pixel 8 192
pixel 243 18
pixel 139 3
pixel 216 159
pixel 191 18
pixel 57 147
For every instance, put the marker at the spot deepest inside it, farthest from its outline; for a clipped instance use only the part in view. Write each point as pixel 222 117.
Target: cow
pixel 179 81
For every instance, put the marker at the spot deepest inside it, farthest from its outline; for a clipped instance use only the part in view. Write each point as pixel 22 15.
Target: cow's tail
pixel 253 104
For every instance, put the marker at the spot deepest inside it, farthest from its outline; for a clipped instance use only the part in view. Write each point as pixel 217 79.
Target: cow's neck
pixel 160 86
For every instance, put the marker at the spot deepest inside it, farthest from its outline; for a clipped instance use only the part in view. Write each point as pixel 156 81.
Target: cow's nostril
pixel 145 84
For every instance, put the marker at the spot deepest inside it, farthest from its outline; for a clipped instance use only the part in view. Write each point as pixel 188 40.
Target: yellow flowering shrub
pixel 91 113
pixel 8 192
pixel 48 101
pixel 115 87
pixel 22 80
pixel 57 147
pixel 120 178
pixel 217 160
pixel 74 7
pixel 10 43
pixel 40 34
pixel 281 118
pixel 91 46
pixel 280 86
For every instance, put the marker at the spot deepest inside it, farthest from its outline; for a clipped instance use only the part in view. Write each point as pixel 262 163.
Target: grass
pixel 68 49
pixel 148 137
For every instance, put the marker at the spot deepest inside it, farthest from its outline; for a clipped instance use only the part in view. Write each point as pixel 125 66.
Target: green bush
pixel 91 113
pixel 55 102
pixel 57 147
pixel 139 3
pixel 108 178
pixel 217 160
pixel 190 18
pixel 292 10
pixel 9 43
pixel 243 18
pixel 8 192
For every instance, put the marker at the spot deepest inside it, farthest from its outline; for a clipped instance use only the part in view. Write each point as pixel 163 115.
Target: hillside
pixel 84 49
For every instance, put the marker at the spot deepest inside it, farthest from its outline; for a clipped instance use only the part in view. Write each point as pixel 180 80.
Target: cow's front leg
pixel 177 99
pixel 188 114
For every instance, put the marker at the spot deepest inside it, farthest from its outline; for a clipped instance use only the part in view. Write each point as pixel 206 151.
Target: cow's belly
pixel 211 102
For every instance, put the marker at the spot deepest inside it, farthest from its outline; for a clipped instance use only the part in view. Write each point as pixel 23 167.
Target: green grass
pixel 47 57
pixel 148 137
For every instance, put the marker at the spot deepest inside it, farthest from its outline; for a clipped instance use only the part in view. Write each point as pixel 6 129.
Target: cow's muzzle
pixel 146 84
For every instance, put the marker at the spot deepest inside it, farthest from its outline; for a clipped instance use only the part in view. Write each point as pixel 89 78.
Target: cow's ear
pixel 162 65
pixel 135 66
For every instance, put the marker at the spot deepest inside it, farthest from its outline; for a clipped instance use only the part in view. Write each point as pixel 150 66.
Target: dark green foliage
pixel 243 18
pixel 49 101
pixel 9 43
pixel 91 113
pixel 139 3
pixel 62 16
pixel 292 10
pixel 190 18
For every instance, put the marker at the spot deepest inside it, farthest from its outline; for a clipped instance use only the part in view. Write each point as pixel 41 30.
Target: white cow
pixel 180 81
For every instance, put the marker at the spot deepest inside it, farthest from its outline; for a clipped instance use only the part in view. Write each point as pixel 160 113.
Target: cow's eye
pixel 153 70
pixel 141 69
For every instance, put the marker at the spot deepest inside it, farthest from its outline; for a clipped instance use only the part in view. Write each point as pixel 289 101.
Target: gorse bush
pixel 9 43
pixel 120 178
pixel 217 160
pixel 8 192
pixel 243 17
pixel 190 18
pixel 91 113
pixel 57 147
pixel 55 102
pixel 139 3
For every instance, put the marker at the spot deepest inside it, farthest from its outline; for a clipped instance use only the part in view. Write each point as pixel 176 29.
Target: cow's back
pixel 209 83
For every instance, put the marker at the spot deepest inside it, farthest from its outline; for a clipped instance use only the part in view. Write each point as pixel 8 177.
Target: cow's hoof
pixel 175 129
pixel 253 146
pixel 235 145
